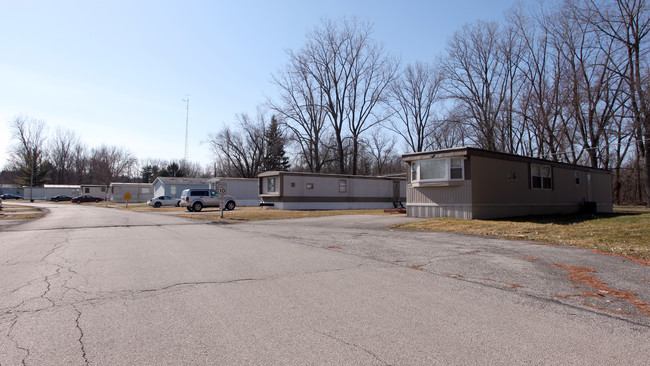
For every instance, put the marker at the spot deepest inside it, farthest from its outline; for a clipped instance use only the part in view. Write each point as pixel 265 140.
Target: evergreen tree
pixel 275 157
pixel 40 168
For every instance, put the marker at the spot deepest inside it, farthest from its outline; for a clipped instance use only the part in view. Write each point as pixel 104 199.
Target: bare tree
pixel 412 98
pixel 108 163
pixel 301 110
pixel 239 152
pixel 352 74
pixel 61 152
pixel 27 153
pixel 476 79
pixel 628 23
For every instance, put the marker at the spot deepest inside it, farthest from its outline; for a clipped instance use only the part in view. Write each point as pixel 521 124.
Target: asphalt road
pixel 97 286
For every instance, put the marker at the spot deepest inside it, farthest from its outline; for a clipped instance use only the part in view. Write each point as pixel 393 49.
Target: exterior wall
pixel 498 185
pixel 141 192
pixel 296 191
pixel 11 189
pixel 495 194
pixel 94 190
pixel 175 186
pixel 243 190
pixel 453 200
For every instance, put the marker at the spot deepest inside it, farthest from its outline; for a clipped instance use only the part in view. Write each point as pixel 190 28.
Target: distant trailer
pixel 311 191
pixel 242 190
pixel 140 192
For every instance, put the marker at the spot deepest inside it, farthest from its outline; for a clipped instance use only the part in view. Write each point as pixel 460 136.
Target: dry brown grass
pixel 20 213
pixel 257 214
pixel 625 232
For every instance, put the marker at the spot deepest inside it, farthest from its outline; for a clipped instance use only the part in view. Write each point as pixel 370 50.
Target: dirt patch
pixel 530 258
pixel 419 267
pixel 334 247
pixel 583 275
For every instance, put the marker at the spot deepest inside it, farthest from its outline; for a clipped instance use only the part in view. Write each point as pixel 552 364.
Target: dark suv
pixel 196 199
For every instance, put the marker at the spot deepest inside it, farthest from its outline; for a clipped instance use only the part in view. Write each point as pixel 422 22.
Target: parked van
pixel 196 199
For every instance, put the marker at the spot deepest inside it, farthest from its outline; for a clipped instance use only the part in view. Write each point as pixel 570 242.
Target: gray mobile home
pixel 94 190
pixel 478 184
pixel 174 186
pixel 242 190
pixel 140 192
pixel 310 191
pixel 51 190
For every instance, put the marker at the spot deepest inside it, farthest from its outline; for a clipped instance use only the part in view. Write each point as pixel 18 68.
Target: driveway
pixel 95 286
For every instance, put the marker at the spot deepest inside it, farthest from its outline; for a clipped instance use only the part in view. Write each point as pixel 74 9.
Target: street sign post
pixel 127 196
pixel 222 189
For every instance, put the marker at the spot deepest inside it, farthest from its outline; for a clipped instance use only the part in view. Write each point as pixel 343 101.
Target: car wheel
pixel 197 206
pixel 96 201
pixel 78 202
pixel 157 205
pixel 230 205
pixel 189 209
pixel 178 204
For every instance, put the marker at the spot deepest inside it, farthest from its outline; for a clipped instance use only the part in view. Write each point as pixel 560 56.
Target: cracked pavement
pixel 97 286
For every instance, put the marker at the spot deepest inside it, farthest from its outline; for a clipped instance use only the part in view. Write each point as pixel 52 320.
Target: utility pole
pixel 187 126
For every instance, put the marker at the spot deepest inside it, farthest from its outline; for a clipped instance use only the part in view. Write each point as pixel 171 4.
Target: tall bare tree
pixel 239 152
pixel 352 73
pixel 412 98
pixel 628 23
pixel 477 80
pixel 61 152
pixel 301 110
pixel 109 163
pixel 27 154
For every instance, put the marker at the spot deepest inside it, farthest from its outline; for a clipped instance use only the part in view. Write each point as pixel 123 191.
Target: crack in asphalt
pixel 19 228
pixel 15 342
pixel 373 355
pixel 81 336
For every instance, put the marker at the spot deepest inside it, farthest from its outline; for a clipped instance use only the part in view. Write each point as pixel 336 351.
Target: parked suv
pixel 196 199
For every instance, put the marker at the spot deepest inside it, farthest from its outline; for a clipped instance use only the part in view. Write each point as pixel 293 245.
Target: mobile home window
pixel 437 170
pixel 343 186
pixel 144 190
pixel 541 176
pixel 270 185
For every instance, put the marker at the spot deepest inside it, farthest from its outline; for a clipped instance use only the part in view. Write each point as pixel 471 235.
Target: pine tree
pixel 35 174
pixel 275 158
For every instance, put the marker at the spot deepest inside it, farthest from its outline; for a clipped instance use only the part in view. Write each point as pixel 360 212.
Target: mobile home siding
pixel 499 185
pixel 306 191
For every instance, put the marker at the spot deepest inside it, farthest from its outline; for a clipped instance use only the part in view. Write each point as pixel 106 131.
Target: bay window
pixel 437 170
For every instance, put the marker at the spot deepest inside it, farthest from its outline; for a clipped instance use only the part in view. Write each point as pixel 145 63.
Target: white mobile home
pixel 174 186
pixel 310 191
pixel 242 190
pixel 479 184
pixel 140 192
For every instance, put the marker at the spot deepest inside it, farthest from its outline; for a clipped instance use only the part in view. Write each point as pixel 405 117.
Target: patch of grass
pixel 625 232
pixel 20 213
pixel 246 214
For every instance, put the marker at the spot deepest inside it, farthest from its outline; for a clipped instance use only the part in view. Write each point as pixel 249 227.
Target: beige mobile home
pixel 310 191
pixel 478 184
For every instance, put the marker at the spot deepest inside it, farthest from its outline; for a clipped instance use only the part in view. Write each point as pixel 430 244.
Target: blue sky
pixel 115 72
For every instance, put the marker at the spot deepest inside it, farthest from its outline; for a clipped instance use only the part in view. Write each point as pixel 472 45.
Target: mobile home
pixel 174 186
pixel 472 183
pixel 242 190
pixel 140 192
pixel 311 191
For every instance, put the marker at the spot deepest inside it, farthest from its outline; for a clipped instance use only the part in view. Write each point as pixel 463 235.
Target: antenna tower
pixel 187 126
